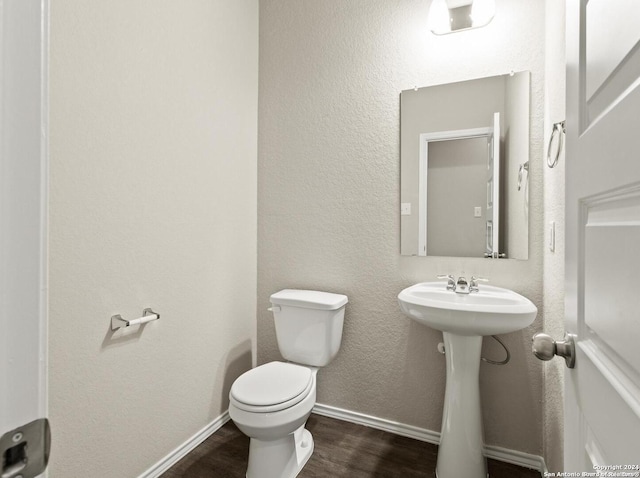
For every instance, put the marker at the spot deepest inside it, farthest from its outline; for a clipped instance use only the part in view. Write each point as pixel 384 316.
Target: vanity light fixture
pixel 448 16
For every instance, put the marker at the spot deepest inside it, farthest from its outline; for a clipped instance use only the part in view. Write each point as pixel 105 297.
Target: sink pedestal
pixel 460 453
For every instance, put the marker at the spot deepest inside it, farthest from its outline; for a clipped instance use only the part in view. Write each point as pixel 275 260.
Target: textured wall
pixel 153 204
pixel 554 211
pixel 328 194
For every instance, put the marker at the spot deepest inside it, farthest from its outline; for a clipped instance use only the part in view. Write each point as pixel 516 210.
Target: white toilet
pixel 271 403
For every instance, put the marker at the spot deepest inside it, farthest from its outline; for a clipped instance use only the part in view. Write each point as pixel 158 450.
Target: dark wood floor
pixel 342 449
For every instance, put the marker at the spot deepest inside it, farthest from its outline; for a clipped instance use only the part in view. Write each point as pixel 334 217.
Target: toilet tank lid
pixel 309 299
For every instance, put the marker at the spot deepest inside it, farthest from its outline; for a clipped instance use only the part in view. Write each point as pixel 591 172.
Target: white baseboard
pixel 515 457
pixel 396 428
pixel 497 453
pixel 176 455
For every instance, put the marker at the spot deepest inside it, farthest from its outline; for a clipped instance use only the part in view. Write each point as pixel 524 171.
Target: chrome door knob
pixel 545 348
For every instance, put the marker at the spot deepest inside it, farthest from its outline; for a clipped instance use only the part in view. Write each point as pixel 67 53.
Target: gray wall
pixel 153 204
pixel 328 195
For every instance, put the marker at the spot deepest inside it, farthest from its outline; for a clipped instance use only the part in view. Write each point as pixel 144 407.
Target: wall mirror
pixel 464 151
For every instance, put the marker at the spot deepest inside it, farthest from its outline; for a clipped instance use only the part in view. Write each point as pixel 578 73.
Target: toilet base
pixel 283 458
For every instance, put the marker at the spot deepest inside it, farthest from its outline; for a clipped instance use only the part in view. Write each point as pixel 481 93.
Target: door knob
pixel 545 348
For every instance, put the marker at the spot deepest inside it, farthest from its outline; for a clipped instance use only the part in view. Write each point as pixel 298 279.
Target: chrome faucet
pixel 473 285
pixel 461 286
pixel 451 282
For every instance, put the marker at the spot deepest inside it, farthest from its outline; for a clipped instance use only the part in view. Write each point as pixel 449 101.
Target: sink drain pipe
pixel 492 362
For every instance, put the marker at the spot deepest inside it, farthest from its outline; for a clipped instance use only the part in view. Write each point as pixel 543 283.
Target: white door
pixel 492 228
pixel 23 36
pixel 602 407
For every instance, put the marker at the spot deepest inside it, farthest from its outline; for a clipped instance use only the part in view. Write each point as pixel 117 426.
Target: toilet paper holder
pixel 118 322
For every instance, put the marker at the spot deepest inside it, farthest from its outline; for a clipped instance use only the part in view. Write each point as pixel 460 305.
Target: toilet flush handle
pixel 273 308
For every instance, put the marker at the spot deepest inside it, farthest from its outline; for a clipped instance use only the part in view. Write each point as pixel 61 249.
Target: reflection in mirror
pixel 464 168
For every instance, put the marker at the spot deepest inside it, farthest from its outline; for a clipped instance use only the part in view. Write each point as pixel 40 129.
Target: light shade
pixel 448 16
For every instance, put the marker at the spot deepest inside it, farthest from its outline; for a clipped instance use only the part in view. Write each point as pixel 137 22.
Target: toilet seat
pixel 271 387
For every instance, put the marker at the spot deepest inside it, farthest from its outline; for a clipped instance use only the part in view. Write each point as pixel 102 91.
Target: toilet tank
pixel 308 325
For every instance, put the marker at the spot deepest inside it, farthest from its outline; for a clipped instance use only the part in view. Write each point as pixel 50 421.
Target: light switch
pixel 405 209
pixel 477 211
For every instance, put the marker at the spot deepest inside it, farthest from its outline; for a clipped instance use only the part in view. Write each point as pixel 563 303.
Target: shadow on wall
pixel 237 362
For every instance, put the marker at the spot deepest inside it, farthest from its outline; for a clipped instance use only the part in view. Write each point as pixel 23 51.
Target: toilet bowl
pixel 280 446
pixel 271 403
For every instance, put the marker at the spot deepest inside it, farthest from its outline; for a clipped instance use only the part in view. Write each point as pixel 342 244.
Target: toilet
pixel 271 403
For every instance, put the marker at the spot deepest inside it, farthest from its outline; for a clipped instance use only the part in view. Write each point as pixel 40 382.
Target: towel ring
pixel 558 135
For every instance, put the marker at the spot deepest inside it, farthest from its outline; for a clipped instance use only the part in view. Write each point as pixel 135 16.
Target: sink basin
pixel 491 311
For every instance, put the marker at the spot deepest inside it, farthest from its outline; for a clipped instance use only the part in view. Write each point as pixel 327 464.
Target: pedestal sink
pixel 464 318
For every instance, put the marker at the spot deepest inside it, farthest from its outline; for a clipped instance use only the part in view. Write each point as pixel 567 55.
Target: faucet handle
pixel 473 284
pixel 451 281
